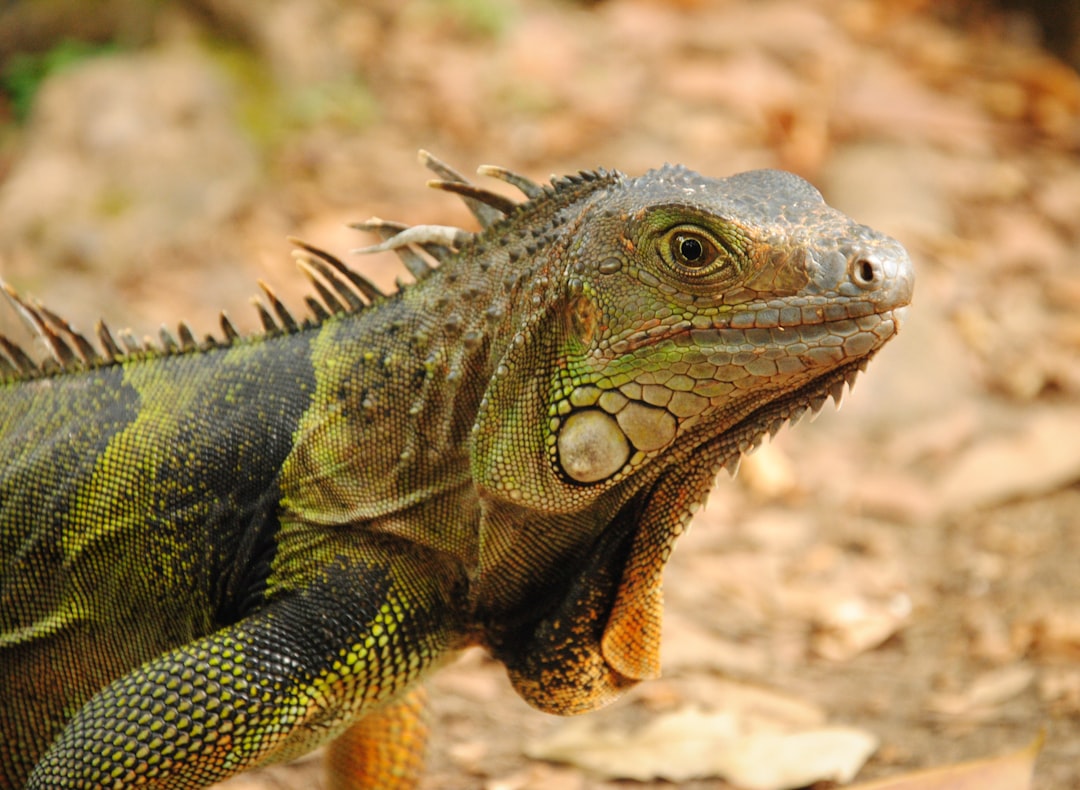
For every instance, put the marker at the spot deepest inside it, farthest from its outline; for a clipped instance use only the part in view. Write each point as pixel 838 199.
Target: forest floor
pixel 907 569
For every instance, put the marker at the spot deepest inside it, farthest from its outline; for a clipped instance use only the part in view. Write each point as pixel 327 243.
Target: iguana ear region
pixel 591 446
pixel 606 433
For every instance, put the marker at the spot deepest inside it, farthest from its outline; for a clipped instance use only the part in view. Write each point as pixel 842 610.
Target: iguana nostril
pixel 864 272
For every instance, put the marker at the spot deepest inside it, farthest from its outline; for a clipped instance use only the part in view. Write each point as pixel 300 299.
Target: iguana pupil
pixel 690 248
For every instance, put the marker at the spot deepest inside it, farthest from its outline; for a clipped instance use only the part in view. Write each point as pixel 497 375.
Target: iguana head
pixel 661 326
pixel 673 308
pixel 638 334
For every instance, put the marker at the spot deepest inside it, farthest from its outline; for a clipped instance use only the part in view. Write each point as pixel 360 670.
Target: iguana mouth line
pixel 656 335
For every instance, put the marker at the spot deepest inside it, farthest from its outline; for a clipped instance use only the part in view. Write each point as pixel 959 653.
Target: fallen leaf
pixel 693 744
pixel 757 708
pixel 538 777
pixel 1009 772
pixel 1042 455
pixel 775 761
pixel 1059 688
pixel 987 690
pixel 674 746
pixel 854 625
pixel 1057 631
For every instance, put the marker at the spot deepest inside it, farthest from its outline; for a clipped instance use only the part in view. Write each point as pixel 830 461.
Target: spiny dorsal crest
pixel 338 288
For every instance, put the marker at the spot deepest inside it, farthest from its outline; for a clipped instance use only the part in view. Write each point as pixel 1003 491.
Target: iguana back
pixel 137 506
pixel 217 554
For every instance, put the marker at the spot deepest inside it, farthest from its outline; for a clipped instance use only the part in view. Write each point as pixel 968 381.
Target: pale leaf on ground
pixel 1008 772
pixel 692 744
pixel 1040 455
pixel 849 626
pixel 986 691
pixel 538 777
pixel 757 707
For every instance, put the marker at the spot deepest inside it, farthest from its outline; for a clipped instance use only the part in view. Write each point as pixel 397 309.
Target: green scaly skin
pixel 221 556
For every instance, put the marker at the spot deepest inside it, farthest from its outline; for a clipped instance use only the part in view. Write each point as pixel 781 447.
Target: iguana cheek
pixel 648 429
pixel 591 446
pixel 594 444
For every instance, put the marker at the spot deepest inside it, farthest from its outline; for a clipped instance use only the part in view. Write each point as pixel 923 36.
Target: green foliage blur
pixel 25 72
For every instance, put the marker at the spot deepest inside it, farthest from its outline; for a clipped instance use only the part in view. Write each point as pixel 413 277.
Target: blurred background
pixel 906 570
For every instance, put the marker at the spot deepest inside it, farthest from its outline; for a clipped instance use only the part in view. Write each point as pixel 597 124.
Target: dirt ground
pixel 907 568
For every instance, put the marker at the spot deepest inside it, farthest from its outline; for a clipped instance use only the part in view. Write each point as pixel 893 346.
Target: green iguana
pixel 217 554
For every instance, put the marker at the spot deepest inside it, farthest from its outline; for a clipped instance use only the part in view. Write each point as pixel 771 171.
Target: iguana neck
pixel 399 387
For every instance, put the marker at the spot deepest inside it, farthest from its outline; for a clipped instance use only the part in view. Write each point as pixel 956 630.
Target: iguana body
pixel 218 555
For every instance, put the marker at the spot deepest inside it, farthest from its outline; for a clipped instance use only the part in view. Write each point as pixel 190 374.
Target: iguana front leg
pixel 383 750
pixel 268 688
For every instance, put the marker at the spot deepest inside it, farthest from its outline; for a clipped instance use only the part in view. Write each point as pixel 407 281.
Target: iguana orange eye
pixel 689 251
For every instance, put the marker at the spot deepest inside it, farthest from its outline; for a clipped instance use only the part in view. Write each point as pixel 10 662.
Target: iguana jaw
pixel 641 352
pixel 629 382
pixel 603 636
pixel 630 643
pixel 613 427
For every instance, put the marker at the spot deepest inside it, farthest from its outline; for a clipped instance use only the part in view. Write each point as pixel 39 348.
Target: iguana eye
pixel 689 251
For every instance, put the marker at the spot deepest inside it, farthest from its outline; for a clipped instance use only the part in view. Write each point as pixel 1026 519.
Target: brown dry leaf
pixel 1041 455
pixel 757 708
pixel 675 746
pixel 775 761
pixel 1059 688
pixel 990 637
pixel 1057 630
pixel 690 744
pixel 1009 772
pixel 986 691
pixel 848 626
pixel 688 645
pixel 538 777
pixel 855 602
